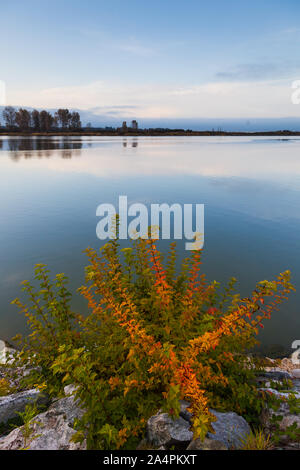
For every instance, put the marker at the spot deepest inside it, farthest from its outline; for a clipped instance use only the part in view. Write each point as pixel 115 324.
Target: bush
pixel 152 337
pixel 5 388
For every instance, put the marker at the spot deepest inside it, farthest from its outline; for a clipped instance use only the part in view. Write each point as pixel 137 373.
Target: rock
pixel 273 378
pixel 15 375
pixel 184 405
pixel 270 359
pixel 287 416
pixel 284 395
pixel 224 420
pixel 277 375
pixel 70 390
pixel 145 445
pixel 296 385
pixel 51 430
pixel 266 383
pixel 10 405
pixel 162 430
pixel 230 429
pixel 296 373
pixel 6 351
pixel 207 444
pixel 288 364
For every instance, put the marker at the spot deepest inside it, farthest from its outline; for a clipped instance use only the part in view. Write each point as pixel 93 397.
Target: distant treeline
pixel 43 121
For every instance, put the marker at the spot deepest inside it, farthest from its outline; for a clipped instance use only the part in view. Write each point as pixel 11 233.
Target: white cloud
pixel 208 100
pixel 137 49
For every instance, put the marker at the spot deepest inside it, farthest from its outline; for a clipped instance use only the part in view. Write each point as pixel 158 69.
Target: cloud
pixel 130 45
pixel 260 71
pixel 117 110
pixel 288 33
pixel 136 49
pixel 222 99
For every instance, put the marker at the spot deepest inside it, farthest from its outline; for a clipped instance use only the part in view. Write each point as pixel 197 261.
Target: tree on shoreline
pixel 46 121
pixel 23 119
pixel 63 117
pixel 35 120
pixel 75 122
pixel 43 121
pixel 9 116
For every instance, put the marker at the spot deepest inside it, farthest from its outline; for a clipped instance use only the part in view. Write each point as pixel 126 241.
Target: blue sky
pixel 158 59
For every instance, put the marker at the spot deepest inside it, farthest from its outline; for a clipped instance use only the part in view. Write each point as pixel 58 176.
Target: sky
pixel 164 59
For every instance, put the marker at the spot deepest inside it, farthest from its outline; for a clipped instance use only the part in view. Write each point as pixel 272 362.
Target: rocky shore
pixel 53 426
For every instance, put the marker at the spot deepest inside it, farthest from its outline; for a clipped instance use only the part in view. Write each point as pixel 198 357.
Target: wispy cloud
pixel 127 44
pixel 260 71
pixel 136 49
pixel 223 99
pixel 288 32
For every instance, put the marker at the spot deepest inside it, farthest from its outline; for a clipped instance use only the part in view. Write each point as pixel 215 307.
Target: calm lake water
pixel 50 188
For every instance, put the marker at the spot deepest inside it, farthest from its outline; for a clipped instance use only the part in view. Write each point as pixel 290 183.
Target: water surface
pixel 50 188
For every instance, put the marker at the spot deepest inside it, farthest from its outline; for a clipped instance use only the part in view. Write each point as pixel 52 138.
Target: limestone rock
pixel 10 405
pixel 287 416
pixel 51 430
pixel 6 351
pixel 145 445
pixel 277 375
pixel 70 390
pixel 162 430
pixel 296 373
pixel 288 364
pixel 284 395
pixel 207 444
pixel 230 429
pixel 184 413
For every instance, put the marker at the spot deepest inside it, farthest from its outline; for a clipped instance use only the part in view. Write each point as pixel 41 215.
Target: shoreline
pixel 151 133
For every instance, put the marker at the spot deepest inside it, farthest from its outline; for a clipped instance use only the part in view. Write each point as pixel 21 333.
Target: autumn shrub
pixel 154 335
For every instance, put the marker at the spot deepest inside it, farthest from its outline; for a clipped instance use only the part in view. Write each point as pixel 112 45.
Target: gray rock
pixel 70 390
pixel 10 405
pixel 14 375
pixel 6 351
pixel 184 413
pixel 284 395
pixel 266 383
pixel 277 375
pixel 230 429
pixel 145 445
pixel 287 416
pixel 296 373
pixel 296 385
pixel 207 444
pixel 162 430
pixel 51 430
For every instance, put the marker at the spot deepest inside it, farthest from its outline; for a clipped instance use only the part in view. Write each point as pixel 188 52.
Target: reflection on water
pixel 41 147
pixel 133 143
pixel 250 188
pixel 28 147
